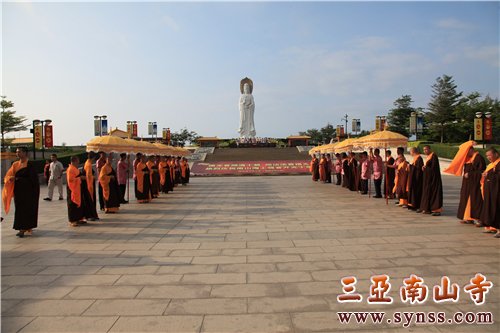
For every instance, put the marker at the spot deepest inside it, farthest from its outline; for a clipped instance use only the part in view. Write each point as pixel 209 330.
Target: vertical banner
pixel 164 134
pixel 134 131
pixel 377 124
pixel 97 127
pixel 356 125
pixel 104 127
pixel 48 137
pixel 168 136
pixel 129 130
pixel 155 129
pixel 150 128
pixel 413 124
pixel 420 123
pixel 38 136
pixel 478 129
pixel 488 129
pixel 382 124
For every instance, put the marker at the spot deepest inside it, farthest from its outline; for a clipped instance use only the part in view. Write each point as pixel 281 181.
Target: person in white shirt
pixel 56 173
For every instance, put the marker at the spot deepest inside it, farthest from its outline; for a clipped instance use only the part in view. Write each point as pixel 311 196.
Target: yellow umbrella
pixel 163 149
pixel 315 150
pixel 329 148
pixel 383 139
pixel 108 144
pixel 347 145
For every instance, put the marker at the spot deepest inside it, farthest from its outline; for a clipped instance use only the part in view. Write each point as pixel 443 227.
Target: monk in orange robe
pixel 74 197
pixel 22 185
pixel 490 189
pixel 314 168
pixel 88 189
pixel 184 171
pixel 110 188
pixel 322 168
pixel 154 177
pixel 400 182
pixel 143 181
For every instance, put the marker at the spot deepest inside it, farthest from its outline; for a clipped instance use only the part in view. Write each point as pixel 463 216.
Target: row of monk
pixel 152 175
pixel 417 184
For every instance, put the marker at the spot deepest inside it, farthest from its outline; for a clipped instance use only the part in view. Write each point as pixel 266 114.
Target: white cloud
pixel 453 24
pixel 488 54
pixel 170 23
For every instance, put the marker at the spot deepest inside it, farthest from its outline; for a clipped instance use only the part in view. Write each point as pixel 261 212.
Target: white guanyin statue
pixel 247 108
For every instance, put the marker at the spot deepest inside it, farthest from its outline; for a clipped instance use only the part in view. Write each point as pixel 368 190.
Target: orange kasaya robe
pixel 162 168
pixel 143 192
pixel 90 177
pixel 400 183
pixel 322 171
pixel 150 165
pixel 110 194
pixel 184 166
pixel 8 189
pixel 74 183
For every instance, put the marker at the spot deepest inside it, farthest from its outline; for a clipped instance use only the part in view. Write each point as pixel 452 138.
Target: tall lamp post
pixel 483 127
pixel 355 126
pixel 346 120
pixel 152 129
pixel 99 121
pixel 41 133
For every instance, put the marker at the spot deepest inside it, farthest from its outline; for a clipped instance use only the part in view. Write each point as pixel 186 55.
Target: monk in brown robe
pixel 490 188
pixel 163 169
pixel 345 171
pixel 432 187
pixel 21 183
pixel 88 189
pixel 390 175
pixel 314 168
pixel 468 162
pixel 415 179
pixel 172 173
pixel 353 173
pixel 184 171
pixel 143 181
pixel 74 195
pixel 400 182
pixel 322 168
pixel 154 177
pixel 110 188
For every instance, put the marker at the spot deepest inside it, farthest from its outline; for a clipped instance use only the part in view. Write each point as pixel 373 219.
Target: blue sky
pixel 180 64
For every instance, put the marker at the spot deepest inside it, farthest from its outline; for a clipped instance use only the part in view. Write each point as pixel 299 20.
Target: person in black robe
pixel 345 170
pixel 169 184
pixel 415 179
pixel 353 173
pixel 22 184
pixel 155 177
pixel 490 212
pixel 142 179
pixel 471 188
pixel 390 175
pixel 328 168
pixel 432 187
pixel 178 170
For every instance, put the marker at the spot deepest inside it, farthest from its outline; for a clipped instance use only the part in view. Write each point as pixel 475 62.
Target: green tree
pixel 444 100
pixel 9 121
pixel 399 117
pixel 183 136
pixel 322 135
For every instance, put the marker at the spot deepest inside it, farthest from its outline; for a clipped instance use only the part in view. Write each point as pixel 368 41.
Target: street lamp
pixel 100 122
pixel 355 125
pixel 346 119
pixel 35 123
pixel 483 126
pixel 131 128
pixel 380 123
pixel 152 128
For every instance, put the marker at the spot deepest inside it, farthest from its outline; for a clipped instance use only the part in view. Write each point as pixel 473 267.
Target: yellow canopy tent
pixel 108 144
pixel 315 150
pixel 383 139
pixel 329 148
pixel 347 145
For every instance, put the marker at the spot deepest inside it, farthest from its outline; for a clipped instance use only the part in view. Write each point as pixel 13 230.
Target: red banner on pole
pixel 38 136
pixel 134 131
pixel 49 139
pixel 488 129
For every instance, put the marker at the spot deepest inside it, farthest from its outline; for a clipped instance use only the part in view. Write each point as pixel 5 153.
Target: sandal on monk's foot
pixel 489 231
pixel 20 234
pixel 436 214
pixel 427 213
pixel 497 235
pixel 467 222
pixel 73 224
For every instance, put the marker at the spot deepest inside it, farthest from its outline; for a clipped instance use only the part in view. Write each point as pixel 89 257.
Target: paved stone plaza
pixel 238 254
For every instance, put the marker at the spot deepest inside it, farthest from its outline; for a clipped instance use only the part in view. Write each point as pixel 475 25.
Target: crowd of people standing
pixel 98 180
pixel 417 185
